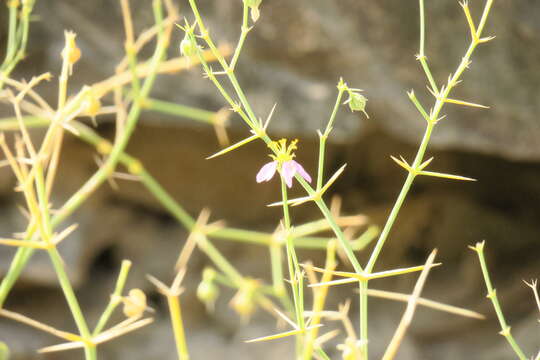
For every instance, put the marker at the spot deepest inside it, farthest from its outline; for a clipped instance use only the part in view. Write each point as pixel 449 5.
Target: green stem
pixel 319 299
pixel 12 30
pixel 189 112
pixel 295 274
pixel 323 136
pixel 421 56
pixel 115 298
pixel 221 262
pixel 58 264
pixel 492 295
pixel 243 35
pixel 276 259
pixel 166 200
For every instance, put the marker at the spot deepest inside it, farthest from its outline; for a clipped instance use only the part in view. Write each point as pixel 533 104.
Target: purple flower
pixel 288 170
pixel 267 171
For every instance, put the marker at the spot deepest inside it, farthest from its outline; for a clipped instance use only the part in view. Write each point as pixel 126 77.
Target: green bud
pixel 209 274
pixel 357 102
pixel 254 7
pixel 208 292
pixel 188 47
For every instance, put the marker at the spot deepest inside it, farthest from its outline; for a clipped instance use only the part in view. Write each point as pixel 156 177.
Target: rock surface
pixel 294 57
pixel 299 49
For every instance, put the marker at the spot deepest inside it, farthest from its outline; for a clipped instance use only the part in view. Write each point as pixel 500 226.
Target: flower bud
pixel 134 303
pixel 71 53
pixel 188 47
pixel 357 102
pixel 208 291
pixel 92 106
pixel 254 7
pixel 209 274
pixel 244 300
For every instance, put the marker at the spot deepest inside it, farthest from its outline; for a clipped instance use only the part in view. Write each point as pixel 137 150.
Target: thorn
pixel 284 334
pixel 440 118
pixel 425 163
pixel 505 332
pixel 446 176
pixel 402 163
pixel 432 92
pixel 486 39
pixel 465 103
pixel 291 201
pixel 269 117
pixel 233 147
pixel 331 180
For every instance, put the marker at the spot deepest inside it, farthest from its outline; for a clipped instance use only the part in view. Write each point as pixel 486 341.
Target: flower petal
pixel 288 170
pixel 303 173
pixel 267 171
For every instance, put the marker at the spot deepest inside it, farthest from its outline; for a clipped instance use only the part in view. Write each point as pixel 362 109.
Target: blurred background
pixel 295 57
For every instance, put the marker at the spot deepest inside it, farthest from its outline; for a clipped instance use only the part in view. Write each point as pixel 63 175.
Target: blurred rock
pixel 299 49
pixel 294 57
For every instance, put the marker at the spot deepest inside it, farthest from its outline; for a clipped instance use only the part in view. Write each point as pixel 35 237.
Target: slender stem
pixel 12 30
pixel 295 274
pixel 221 262
pixel 363 287
pixel 178 327
pixel 421 55
pixel 422 27
pixel 324 136
pixel 189 112
pixel 166 200
pixel 492 295
pixel 130 48
pixel 345 244
pixel 243 35
pixel 276 259
pixel 319 300
pixel 115 298
pixel 484 17
pixel 58 263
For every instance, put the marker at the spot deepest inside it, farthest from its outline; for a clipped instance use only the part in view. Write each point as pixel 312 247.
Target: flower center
pixel 283 152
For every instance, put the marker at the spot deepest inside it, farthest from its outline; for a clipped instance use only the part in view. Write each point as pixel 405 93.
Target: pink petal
pixel 303 173
pixel 288 170
pixel 267 171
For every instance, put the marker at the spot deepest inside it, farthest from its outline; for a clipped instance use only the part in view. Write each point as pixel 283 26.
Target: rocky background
pixel 294 58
